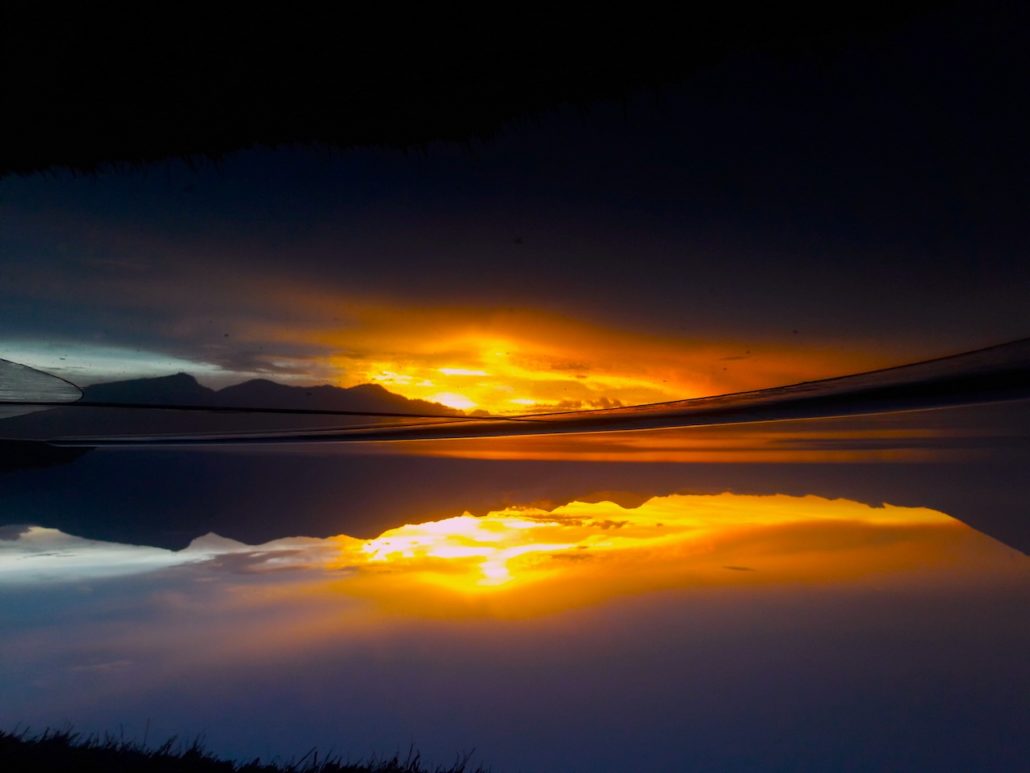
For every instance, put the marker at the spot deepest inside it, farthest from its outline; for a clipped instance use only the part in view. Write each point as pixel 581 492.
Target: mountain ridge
pixel 183 389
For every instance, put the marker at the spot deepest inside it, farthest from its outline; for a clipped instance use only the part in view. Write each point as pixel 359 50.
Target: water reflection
pixel 766 631
pixel 533 560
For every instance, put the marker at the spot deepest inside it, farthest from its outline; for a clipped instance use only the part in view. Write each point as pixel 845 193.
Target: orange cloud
pixel 511 362
pixel 474 357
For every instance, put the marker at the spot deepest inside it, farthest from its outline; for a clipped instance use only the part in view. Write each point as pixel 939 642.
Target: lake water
pixel 588 616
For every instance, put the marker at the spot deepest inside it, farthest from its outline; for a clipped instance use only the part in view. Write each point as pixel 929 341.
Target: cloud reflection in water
pixel 521 561
pixel 686 626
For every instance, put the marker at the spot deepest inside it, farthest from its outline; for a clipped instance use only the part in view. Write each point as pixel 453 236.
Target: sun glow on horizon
pixel 523 361
pixel 453 400
pixel 505 376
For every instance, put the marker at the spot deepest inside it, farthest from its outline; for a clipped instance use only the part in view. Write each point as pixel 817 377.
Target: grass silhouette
pixel 68 750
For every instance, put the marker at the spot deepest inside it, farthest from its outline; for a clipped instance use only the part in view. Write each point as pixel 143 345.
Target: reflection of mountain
pixel 183 389
pixel 546 560
pixel 168 497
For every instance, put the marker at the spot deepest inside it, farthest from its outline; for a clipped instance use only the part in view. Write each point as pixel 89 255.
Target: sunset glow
pixel 514 362
pixel 509 376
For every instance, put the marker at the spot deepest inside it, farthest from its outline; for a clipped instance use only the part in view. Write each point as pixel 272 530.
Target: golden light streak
pixel 463 372
pixel 829 441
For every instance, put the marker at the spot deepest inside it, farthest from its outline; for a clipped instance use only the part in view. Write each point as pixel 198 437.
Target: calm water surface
pixel 711 631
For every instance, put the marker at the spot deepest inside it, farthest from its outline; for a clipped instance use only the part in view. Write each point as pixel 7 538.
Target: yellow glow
pixel 452 400
pixel 511 362
pixel 463 372
pixel 528 560
pixel 539 374
pixel 485 548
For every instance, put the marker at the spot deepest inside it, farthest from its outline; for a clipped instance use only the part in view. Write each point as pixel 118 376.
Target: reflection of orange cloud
pixel 524 561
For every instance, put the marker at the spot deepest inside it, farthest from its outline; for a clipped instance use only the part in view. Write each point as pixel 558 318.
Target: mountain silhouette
pixel 183 389
pixel 363 397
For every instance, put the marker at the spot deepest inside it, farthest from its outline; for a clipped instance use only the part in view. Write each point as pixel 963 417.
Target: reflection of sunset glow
pixel 532 559
pixel 522 562
pixel 485 549
pixel 828 441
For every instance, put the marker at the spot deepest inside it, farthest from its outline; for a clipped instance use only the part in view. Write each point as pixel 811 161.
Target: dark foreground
pixel 70 751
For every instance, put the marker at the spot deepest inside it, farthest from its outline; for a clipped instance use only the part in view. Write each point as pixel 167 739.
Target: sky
pixel 770 220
